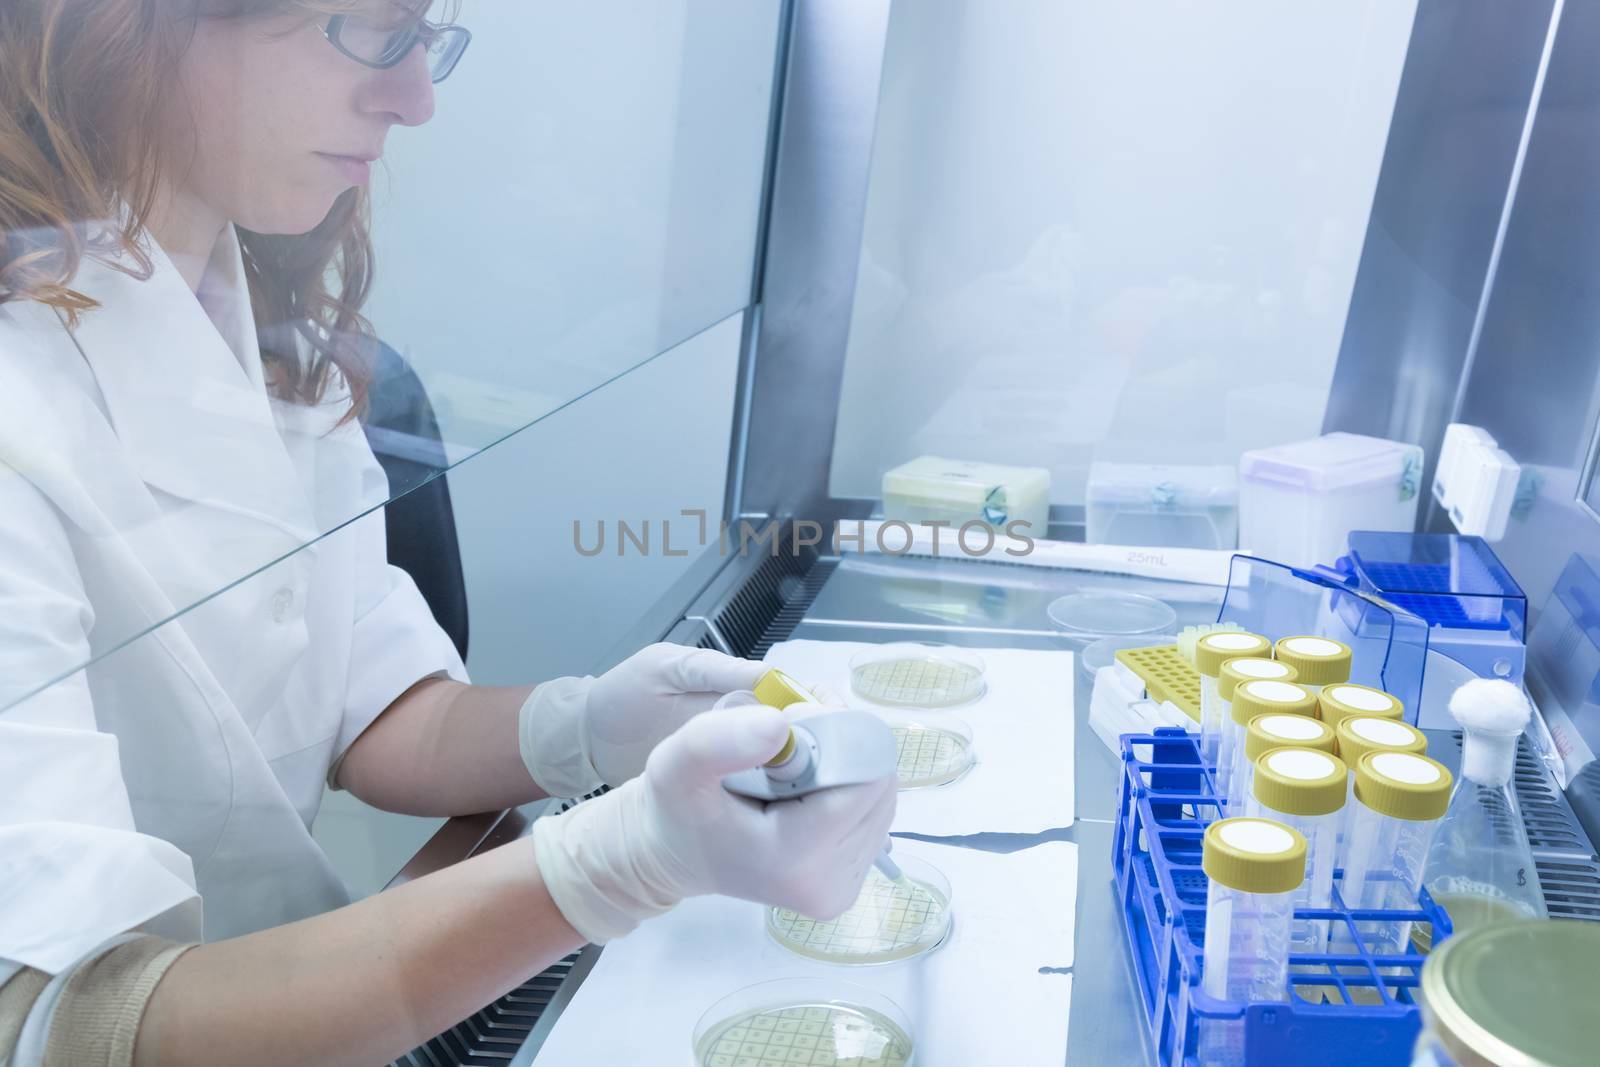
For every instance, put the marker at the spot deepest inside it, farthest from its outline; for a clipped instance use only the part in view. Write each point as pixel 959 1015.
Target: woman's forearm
pixel 443 748
pixel 363 984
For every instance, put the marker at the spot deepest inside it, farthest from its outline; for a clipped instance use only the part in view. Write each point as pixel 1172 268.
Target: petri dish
pixel 930 751
pixel 917 675
pixel 889 922
pixel 1103 653
pixel 813 1021
pixel 1084 617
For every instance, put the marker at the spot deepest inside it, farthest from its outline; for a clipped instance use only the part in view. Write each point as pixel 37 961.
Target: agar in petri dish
pixel 930 754
pixel 889 921
pixel 821 1022
pixel 919 676
pixel 812 1024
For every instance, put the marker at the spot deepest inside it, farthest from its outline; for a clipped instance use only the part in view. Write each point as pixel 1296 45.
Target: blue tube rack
pixel 1166 799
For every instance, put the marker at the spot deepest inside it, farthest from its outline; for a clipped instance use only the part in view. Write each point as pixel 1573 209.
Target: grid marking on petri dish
pixel 926 755
pixel 920 681
pixel 887 919
pixel 808 1034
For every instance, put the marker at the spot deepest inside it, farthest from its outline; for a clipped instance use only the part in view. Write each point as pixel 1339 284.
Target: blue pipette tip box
pixel 1476 612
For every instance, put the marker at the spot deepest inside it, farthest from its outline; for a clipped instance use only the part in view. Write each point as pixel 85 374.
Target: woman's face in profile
pixel 270 123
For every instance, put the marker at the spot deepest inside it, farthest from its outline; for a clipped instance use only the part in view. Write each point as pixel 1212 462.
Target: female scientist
pixel 183 255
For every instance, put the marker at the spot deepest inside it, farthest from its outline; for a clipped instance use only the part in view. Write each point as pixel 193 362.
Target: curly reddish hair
pixel 81 84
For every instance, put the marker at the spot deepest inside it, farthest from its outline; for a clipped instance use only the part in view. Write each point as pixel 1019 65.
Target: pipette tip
pixel 888 868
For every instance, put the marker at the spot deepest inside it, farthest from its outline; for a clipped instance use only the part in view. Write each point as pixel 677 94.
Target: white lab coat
pixel 143 467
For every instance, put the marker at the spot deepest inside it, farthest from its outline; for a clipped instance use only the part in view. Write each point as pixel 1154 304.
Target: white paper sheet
pixel 978 999
pixel 1022 732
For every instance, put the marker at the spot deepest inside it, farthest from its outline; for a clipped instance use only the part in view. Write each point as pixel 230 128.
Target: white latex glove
pixel 675 832
pixel 577 734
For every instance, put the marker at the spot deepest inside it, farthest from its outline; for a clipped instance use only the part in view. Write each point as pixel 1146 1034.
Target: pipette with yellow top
pixel 832 747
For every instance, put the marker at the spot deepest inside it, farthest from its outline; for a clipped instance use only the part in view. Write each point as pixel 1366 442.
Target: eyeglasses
pixel 382 43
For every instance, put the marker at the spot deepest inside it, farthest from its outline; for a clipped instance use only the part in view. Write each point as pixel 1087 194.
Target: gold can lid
pixel 1494 995
pixel 778 690
pixel 1360 734
pixel 1254 855
pixel 1276 729
pixel 1301 781
pixel 1320 660
pixel 1250 668
pixel 1213 650
pixel 1403 785
pixel 1261 696
pixel 1347 699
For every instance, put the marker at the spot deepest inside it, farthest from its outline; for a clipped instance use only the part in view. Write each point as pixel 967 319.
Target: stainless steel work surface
pixel 961 600
pixel 984 605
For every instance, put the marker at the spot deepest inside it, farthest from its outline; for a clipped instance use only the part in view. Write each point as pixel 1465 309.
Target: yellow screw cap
pixel 1301 781
pixel 1260 697
pixel 1213 650
pixel 783 753
pixel 1403 785
pixel 1337 702
pixel 1250 668
pixel 778 690
pixel 1277 730
pixel 1254 855
pixel 1319 660
pixel 1358 735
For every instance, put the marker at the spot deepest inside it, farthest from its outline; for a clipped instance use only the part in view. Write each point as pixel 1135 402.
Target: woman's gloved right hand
pixel 675 832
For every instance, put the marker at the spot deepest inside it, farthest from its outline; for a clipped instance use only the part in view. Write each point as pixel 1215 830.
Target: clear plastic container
pixel 1162 505
pixel 890 921
pixel 1339 702
pixel 1235 671
pixel 909 674
pixel 1103 653
pixel 1083 618
pixel 1389 646
pixel 1211 651
pixel 1255 867
pixel 1304 788
pixel 1299 502
pixel 837 1024
pixel 1399 799
pixel 1252 698
pixel 1357 735
pixel 1476 612
pixel 1318 661
pixel 1270 731
pixel 933 489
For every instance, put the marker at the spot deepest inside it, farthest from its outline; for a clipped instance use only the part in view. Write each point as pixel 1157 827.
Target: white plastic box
pixel 1162 505
pixel 931 489
pixel 1299 502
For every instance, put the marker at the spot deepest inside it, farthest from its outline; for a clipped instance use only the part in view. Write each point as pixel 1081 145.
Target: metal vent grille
pixel 767 606
pixel 493 1036
pixel 1569 873
pixel 742 618
pixel 799 597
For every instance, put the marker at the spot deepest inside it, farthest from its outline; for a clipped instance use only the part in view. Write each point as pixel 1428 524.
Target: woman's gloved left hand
pixel 577 734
